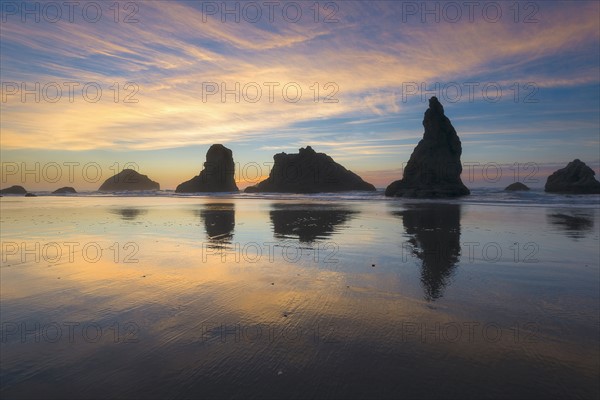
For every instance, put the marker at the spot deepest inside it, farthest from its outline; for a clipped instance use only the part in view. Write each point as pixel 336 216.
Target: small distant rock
pixel 16 189
pixel 128 180
pixel 30 195
pixel 65 190
pixel 516 187
pixel 575 178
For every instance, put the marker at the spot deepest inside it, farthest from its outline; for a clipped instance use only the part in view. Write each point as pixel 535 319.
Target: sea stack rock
pixel 309 172
pixel 575 178
pixel 516 187
pixel 65 190
pixel 16 189
pixel 217 175
pixel 128 180
pixel 434 167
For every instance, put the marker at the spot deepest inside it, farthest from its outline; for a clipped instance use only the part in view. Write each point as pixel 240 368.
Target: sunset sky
pixel 529 75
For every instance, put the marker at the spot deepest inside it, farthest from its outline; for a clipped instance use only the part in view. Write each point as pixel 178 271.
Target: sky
pixel 92 87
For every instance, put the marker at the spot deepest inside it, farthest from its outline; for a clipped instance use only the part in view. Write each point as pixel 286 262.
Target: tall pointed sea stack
pixel 217 175
pixel 434 167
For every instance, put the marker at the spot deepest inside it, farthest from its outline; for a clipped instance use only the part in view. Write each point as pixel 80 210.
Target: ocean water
pixel 349 295
pixel 481 195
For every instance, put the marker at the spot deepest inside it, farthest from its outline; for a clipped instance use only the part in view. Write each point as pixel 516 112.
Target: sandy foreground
pixel 186 297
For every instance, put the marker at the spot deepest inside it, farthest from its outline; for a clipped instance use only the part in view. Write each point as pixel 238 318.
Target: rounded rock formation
pixel 516 187
pixel 309 172
pixel 575 178
pixel 128 180
pixel 65 190
pixel 16 189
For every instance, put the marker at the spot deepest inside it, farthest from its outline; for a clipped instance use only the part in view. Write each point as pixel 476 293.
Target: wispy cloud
pixel 367 55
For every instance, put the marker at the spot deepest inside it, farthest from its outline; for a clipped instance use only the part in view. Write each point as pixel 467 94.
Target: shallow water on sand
pixel 278 297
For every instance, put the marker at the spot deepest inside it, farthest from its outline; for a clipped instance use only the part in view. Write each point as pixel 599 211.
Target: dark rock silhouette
pixel 219 222
pixel 435 231
pixel 31 195
pixel 16 189
pixel 65 190
pixel 128 180
pixel 576 178
pixel 309 172
pixel 217 175
pixel 516 187
pixel 575 224
pixel 434 167
pixel 308 222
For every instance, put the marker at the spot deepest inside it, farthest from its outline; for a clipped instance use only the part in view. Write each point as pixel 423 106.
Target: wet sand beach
pixel 296 297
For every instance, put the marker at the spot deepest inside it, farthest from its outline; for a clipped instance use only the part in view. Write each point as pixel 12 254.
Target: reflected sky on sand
pixel 260 298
